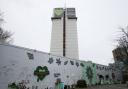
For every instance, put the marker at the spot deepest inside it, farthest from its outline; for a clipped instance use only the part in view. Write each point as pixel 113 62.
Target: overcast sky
pixel 98 23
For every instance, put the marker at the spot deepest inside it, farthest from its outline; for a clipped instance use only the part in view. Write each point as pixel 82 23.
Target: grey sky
pixel 98 22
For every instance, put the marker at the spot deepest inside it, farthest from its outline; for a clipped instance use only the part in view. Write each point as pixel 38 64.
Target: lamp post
pixel 67 81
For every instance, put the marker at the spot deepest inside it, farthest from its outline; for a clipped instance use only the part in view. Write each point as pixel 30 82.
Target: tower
pixel 64 41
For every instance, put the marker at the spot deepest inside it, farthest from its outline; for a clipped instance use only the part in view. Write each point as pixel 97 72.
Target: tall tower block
pixel 64 41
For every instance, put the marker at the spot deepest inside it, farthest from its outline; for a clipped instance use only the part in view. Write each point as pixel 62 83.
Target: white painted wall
pixel 16 66
pixel 104 72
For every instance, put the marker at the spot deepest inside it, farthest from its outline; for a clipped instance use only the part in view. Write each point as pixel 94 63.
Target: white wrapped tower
pixel 64 41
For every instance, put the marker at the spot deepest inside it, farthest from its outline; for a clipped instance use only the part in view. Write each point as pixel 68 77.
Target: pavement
pixel 116 86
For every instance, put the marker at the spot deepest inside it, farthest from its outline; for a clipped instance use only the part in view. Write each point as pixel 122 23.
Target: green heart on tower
pixel 58 11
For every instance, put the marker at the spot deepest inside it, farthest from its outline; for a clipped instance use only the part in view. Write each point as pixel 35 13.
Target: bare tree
pixel 5 36
pixel 123 51
pixel 123 43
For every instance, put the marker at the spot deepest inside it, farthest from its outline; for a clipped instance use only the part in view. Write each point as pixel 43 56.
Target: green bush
pixel 81 84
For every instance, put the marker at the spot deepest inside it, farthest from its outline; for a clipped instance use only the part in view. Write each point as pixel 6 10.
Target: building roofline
pixel 34 50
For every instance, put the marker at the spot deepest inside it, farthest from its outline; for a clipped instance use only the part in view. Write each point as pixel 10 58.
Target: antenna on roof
pixel 65 4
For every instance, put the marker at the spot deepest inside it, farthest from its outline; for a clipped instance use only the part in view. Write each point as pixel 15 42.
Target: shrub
pixel 81 84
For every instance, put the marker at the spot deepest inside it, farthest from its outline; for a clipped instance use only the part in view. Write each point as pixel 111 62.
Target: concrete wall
pixel 104 70
pixel 15 66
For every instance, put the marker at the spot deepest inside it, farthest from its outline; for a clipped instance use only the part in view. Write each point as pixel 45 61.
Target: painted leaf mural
pixel 30 55
pixel 66 62
pixel 82 64
pixel 72 62
pixel 58 61
pixel 77 64
pixel 89 73
pixel 50 61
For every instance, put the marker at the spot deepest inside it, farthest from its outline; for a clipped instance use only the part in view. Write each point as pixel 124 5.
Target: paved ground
pixel 117 86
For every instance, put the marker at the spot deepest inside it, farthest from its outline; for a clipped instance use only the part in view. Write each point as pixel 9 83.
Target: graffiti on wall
pixel 41 72
pixel 20 85
pixel 56 74
pixel 89 73
pixel 66 62
pixel 50 61
pixel 58 61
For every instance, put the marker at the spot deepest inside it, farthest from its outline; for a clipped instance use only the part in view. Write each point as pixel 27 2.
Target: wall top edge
pixel 23 48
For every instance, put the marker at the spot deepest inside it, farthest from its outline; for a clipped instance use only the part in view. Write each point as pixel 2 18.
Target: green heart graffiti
pixel 41 72
pixel 58 11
